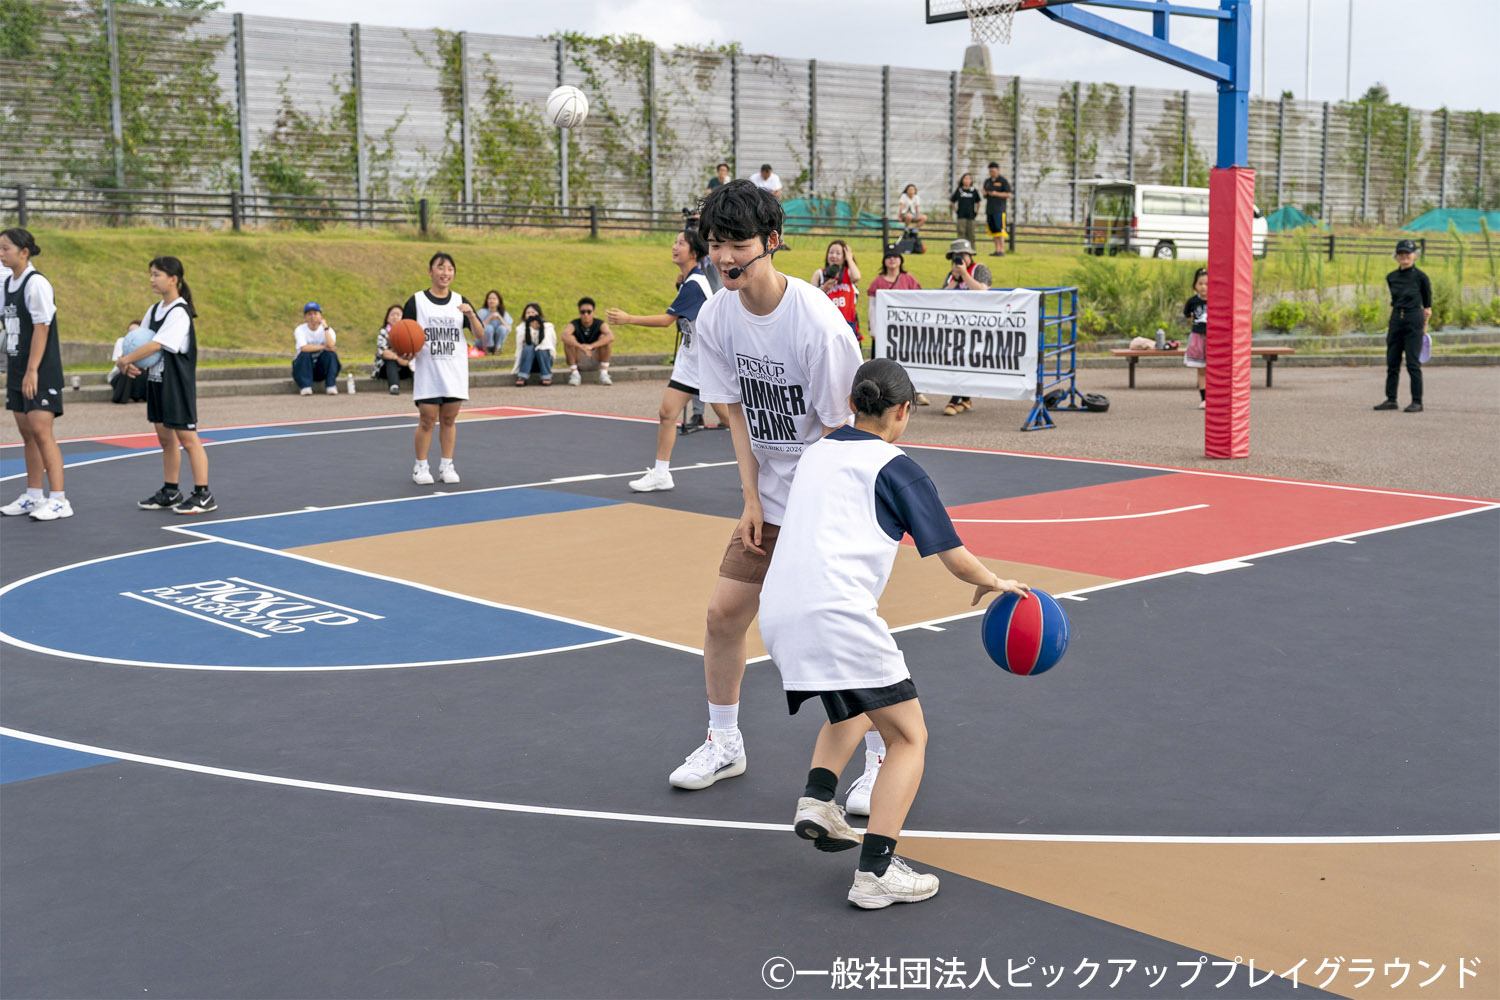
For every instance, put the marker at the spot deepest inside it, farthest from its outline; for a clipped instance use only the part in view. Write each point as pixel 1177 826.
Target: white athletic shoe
pixel 722 755
pixel 448 474
pixel 604 378
pixel 823 823
pixel 899 884
pixel 576 378
pixel 23 504
pixel 858 801
pixel 421 474
pixel 653 481
pixel 333 390
pixel 306 390
pixel 51 510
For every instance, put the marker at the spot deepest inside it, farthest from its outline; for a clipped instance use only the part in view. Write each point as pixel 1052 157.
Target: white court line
pixel 1074 520
pixel 698 821
pixel 202 618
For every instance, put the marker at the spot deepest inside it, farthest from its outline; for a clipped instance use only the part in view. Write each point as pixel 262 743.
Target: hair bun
pixel 866 393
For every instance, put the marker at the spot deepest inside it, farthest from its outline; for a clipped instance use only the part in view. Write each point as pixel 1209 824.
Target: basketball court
pixel 354 737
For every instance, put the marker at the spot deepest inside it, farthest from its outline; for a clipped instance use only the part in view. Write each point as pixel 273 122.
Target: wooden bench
pixel 1269 353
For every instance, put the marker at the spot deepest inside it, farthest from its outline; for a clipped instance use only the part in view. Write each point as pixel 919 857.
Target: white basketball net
pixel 990 20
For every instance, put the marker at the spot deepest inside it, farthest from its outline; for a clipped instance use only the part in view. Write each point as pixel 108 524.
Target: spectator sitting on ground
pixel 388 364
pixel 497 322
pixel 317 357
pixel 767 180
pixel 720 177
pixel 536 341
pixel 586 342
pixel 126 389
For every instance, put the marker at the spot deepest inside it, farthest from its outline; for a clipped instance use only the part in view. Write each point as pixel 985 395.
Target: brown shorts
pixel 744 566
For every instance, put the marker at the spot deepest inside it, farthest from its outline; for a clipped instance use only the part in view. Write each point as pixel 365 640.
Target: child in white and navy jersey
pixel 855 496
pixel 440 370
pixel 33 376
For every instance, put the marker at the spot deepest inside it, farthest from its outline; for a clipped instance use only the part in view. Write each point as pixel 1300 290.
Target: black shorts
pixel 842 706
pixel 174 414
pixel 672 383
pixel 440 400
pixel 48 398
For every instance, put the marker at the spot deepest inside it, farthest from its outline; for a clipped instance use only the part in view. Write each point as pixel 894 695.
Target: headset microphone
pixel 734 272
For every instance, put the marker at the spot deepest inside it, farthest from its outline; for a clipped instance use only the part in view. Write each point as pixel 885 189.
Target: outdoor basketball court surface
pixel 352 737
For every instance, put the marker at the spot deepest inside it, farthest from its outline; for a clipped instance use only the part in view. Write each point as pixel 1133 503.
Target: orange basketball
pixel 406 337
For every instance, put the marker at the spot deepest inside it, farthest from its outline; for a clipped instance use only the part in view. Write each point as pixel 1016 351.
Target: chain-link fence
pixel 126 96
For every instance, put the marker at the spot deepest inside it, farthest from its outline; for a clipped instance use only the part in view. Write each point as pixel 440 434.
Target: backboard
pixel 956 10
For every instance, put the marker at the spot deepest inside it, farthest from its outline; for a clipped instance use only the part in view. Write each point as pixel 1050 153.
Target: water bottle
pixel 76 383
pixel 351 383
pixel 1161 339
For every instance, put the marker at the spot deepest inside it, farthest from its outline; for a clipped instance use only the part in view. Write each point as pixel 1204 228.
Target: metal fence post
pixel 1280 148
pixel 21 210
pixel 1406 169
pixel 953 128
pixel 361 155
pixel 734 114
pixel 1077 140
pixel 1364 188
pixel 422 215
pixel 562 135
pixel 812 126
pixel 465 125
pixel 885 145
pixel 116 126
pixel 1130 134
pixel 651 128
pixel 1323 212
pixel 593 222
pixel 234 210
pixel 242 100
pixel 1479 164
pixel 1443 165
pixel 1015 159
pixel 1185 138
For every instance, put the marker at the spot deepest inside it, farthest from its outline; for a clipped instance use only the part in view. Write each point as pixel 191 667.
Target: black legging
pixel 395 371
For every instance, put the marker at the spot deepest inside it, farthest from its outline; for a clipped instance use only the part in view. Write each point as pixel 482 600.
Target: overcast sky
pixel 1429 53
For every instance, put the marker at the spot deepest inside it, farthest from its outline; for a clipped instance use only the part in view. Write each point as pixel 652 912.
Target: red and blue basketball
pixel 1025 635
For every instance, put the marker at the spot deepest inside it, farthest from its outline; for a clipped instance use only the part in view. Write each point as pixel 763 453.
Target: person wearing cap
pixel 964 275
pixel 1411 308
pixel 892 275
pixel 317 357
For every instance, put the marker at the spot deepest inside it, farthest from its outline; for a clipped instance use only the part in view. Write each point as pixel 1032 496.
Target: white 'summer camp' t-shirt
pixel 441 367
pixel 791 370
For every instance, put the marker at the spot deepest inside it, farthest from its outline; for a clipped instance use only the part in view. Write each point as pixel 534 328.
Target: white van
pixel 1155 220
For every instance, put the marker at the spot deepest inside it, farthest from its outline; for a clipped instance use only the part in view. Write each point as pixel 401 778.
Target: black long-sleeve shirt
pixel 1410 288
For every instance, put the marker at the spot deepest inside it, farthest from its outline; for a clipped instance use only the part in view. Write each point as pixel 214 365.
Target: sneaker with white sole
pixel 899 884
pixel 162 499
pixel 823 823
pixel 448 474
pixel 306 390
pixel 604 378
pixel 23 504
pixel 332 390
pixel 652 481
pixel 395 390
pixel 576 378
pixel 421 474
pixel 721 756
pixel 200 501
pixel 858 801
pixel 52 509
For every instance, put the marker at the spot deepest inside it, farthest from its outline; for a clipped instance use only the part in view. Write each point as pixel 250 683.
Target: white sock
pixel 723 716
pixel 604 364
pixel 58 495
pixel 874 743
pixel 662 466
pixel 34 494
pixel 422 464
pixel 575 368
pixel 446 463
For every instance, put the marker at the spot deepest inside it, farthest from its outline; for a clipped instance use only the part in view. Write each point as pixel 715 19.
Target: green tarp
pixel 1290 217
pixel 823 211
pixel 1466 219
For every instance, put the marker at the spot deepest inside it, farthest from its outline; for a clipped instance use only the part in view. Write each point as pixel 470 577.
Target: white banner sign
pixel 962 343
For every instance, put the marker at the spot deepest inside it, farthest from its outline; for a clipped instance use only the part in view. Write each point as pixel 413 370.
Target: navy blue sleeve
pixel 690 299
pixel 907 503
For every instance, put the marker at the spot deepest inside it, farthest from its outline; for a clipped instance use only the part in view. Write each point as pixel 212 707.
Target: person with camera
pixel 964 275
pixel 586 344
pixel 839 278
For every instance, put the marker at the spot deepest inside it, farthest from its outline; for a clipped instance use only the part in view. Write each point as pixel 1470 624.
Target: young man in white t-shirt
pixel 317 358
pixel 778 352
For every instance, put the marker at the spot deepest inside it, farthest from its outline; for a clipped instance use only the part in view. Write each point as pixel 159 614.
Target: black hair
pixel 695 244
pixel 172 267
pixel 1202 272
pixel 386 315
pixel 525 327
pixel 879 385
pixel 441 255
pixel 586 301
pixel 961 179
pixel 724 165
pixel 765 166
pixel 23 240
pixel 500 300
pixel 740 211
pixel 993 164
pixel 893 251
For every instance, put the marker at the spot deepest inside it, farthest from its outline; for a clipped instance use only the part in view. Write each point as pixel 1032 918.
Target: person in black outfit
pixel 1411 308
pixel 997 195
pixel 965 202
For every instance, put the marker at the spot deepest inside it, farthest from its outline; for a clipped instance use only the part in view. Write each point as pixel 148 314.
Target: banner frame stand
pixel 1062 349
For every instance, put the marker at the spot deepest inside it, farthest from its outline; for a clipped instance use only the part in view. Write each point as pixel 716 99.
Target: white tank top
pixel 441 367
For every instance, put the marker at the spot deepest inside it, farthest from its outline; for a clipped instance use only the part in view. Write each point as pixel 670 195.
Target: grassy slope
pixel 249 288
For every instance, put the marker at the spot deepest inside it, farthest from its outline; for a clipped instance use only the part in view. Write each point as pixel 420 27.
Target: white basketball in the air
pixel 567 107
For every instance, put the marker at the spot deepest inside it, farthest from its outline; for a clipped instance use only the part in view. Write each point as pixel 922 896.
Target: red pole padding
pixel 1231 288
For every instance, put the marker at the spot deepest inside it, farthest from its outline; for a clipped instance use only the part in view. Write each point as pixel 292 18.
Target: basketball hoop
pixel 990 20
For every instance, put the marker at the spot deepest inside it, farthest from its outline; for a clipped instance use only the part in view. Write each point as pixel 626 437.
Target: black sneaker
pixel 1414 408
pixel 692 424
pixel 1389 404
pixel 161 500
pixel 198 502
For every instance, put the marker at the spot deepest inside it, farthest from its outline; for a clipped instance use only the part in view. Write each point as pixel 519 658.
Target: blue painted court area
pixel 313 527
pixel 22 759
pixel 213 604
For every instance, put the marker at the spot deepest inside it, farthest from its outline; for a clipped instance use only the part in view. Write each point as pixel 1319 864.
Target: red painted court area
pixel 1170 522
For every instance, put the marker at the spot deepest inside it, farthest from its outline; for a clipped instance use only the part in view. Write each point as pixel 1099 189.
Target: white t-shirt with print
pixel 792 371
pixel 441 367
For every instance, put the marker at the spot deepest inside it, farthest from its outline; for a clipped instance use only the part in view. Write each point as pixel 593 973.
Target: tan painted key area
pixel 1276 903
pixel 647 570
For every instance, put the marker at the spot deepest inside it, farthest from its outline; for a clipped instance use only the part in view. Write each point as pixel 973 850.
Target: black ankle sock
pixel 169 487
pixel 875 853
pixel 200 489
pixel 1202 393
pixel 821 784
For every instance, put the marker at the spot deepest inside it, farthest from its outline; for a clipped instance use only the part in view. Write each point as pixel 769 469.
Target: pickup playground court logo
pixel 253 608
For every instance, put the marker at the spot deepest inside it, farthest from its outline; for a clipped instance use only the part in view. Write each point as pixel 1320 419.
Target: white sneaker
pixel 51 510
pixel 899 884
pixel 448 474
pixel 333 390
pixel 823 823
pixel 305 391
pixel 421 474
pixel 722 755
pixel 23 504
pixel 604 378
pixel 857 803
pixel 576 378
pixel 653 481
